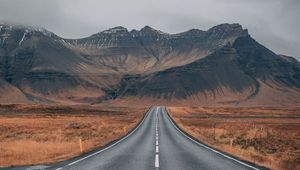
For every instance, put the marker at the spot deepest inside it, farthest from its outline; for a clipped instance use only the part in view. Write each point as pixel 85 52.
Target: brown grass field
pixel 36 134
pixel 269 137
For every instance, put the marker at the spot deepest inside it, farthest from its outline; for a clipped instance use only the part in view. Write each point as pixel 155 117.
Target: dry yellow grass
pixel 268 137
pixel 34 134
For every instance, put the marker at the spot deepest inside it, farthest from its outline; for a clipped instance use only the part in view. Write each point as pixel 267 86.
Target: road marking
pixel 156 161
pixel 211 149
pixel 104 149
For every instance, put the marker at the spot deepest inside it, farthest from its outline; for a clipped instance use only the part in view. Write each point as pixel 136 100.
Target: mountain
pixel 38 63
pixel 223 65
pixel 237 73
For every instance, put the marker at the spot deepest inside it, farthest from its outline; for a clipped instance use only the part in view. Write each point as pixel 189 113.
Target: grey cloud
pixel 274 23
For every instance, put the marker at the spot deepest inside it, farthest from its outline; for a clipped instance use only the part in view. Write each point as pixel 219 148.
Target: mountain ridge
pixel 119 64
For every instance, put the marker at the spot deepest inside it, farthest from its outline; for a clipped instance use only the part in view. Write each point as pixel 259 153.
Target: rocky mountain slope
pixel 237 73
pixel 223 65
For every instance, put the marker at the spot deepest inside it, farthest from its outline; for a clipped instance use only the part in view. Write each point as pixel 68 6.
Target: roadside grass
pixel 268 137
pixel 37 134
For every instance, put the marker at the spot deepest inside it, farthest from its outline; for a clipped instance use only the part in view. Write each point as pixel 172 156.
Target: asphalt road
pixel 156 144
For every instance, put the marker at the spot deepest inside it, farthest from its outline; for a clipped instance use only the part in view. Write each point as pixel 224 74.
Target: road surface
pixel 155 144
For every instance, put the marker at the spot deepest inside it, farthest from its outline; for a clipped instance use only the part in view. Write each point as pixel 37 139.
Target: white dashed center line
pixel 156 161
pixel 156 142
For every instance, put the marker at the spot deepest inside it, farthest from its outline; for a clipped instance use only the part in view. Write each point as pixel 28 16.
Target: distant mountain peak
pixel 25 29
pixel 192 32
pixel 114 30
pixel 228 28
pixel 234 26
pixel 148 29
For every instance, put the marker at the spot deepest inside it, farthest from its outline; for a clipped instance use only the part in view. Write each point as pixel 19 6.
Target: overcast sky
pixel 274 23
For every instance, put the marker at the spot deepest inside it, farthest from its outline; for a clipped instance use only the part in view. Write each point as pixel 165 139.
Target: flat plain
pixel 269 137
pixel 41 134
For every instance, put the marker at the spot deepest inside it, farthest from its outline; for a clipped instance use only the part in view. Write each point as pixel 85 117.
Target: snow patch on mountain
pixel 22 39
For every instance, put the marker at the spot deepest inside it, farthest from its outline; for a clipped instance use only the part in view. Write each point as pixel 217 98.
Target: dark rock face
pixel 261 63
pixel 142 63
